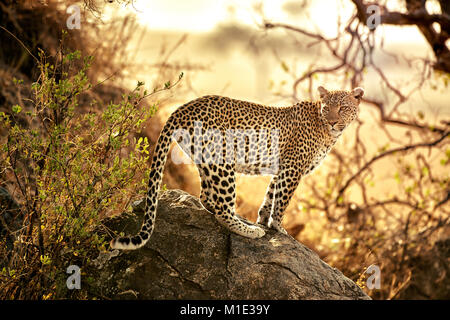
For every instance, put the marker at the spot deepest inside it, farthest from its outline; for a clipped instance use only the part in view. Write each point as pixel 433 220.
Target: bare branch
pixel 387 153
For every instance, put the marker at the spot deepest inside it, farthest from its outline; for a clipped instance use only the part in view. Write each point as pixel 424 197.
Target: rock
pixel 191 256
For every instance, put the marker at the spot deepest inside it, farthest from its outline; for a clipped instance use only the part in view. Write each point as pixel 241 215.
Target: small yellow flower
pixel 47 296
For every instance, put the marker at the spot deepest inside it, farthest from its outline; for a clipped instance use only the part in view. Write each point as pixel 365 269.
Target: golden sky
pixel 205 15
pixel 244 62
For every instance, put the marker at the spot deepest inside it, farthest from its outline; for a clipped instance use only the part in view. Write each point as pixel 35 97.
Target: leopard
pixel 225 137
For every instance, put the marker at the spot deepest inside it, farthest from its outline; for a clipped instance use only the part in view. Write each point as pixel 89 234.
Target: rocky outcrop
pixel 191 256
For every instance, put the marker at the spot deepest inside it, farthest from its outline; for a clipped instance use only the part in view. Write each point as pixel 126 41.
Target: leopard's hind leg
pixel 221 194
pixel 205 189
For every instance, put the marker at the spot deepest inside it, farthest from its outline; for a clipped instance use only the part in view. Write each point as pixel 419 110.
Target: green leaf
pixel 16 108
pixel 284 66
pixel 421 115
pixel 424 171
pixel 17 81
pixel 397 177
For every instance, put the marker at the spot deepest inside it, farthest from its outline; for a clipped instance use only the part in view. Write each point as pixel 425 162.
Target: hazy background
pixel 242 60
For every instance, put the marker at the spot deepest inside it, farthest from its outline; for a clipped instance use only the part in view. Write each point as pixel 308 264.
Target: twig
pixel 387 153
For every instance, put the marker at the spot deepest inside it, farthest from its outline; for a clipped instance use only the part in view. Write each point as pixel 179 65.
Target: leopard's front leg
pixel 285 186
pixel 265 210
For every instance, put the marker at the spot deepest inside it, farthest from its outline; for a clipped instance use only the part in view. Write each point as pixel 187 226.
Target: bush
pixel 67 170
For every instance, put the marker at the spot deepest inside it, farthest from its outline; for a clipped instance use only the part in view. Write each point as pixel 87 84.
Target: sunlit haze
pixel 220 33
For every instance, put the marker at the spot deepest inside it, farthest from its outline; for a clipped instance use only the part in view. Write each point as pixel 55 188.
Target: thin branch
pixel 387 153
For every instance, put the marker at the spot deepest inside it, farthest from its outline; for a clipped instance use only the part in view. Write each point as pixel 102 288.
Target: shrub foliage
pixel 67 170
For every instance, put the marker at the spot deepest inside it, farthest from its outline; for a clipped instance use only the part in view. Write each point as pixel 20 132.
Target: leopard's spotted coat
pixel 304 132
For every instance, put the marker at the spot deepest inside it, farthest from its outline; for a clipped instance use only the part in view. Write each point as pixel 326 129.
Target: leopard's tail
pixel 154 184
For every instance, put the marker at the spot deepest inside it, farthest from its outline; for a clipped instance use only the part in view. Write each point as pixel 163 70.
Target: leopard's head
pixel 339 108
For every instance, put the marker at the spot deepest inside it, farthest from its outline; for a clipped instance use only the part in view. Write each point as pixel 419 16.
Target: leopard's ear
pixel 358 93
pixel 322 91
